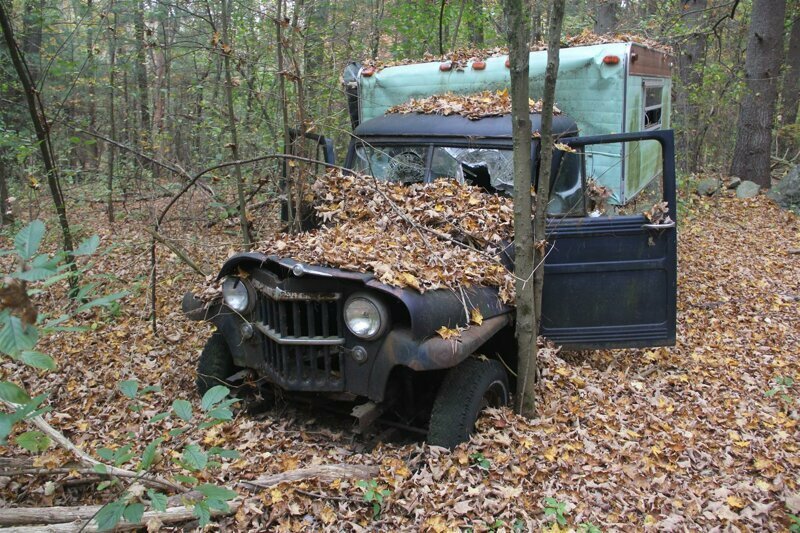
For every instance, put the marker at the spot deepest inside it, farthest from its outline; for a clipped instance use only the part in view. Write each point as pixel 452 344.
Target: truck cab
pixel 338 334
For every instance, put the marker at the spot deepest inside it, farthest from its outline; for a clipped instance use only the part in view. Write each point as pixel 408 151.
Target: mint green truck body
pixel 601 95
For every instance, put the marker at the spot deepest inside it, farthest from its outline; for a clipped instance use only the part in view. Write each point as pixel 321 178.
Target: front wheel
pixel 467 389
pixel 215 365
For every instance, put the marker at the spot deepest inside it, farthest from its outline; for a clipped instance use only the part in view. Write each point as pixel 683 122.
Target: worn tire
pixel 466 390
pixel 215 365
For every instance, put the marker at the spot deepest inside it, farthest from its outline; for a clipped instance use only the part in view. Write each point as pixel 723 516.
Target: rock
pixel 707 187
pixel 734 182
pixel 747 189
pixel 787 192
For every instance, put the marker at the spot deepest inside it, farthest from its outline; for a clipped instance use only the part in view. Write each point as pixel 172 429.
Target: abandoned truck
pixel 610 271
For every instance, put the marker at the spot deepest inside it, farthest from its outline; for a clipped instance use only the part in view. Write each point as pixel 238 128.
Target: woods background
pixel 154 77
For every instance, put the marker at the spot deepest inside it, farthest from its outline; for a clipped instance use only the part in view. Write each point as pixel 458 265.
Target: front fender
pixel 401 349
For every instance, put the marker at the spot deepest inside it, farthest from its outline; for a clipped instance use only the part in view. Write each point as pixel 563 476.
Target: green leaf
pixel 16 337
pixel 227 454
pixel 38 360
pixel 106 453
pixel 186 479
pixel 102 301
pixel 109 515
pixel 216 493
pixel 158 418
pixel 87 247
pixel 202 512
pixel 7 422
pixel 27 241
pixel 149 389
pixel 149 454
pixel 33 441
pixel 129 388
pixel 157 500
pixel 213 396
pixel 13 393
pixel 194 457
pixel 218 505
pixel 221 413
pixel 103 485
pixel 183 409
pixel 34 274
pixel 133 512
pixel 177 431
pixel 100 468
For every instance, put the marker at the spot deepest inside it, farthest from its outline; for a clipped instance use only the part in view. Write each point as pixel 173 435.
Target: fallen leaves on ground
pixel 663 439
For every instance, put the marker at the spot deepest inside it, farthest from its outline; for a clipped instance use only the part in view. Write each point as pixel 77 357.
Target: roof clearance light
pixel 446 66
pixel 508 63
pixel 367 72
pixel 478 65
pixel 611 60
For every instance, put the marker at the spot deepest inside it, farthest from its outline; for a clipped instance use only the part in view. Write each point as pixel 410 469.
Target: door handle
pixel 665 225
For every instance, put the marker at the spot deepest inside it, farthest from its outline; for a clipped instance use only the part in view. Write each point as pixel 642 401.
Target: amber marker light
pixel 446 66
pixel 367 72
pixel 478 65
pixel 611 60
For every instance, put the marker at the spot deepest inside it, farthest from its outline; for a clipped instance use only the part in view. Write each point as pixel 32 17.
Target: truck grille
pixel 302 340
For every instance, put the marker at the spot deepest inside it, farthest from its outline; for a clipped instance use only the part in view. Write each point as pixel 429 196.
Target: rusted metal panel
pixel 647 62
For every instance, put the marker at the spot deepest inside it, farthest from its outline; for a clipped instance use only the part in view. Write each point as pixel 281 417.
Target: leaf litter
pixel 440 235
pixel 673 439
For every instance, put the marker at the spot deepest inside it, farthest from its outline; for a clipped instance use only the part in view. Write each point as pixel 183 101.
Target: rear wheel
pixel 215 365
pixel 467 389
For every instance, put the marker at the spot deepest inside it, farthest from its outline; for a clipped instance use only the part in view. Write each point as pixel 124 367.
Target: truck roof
pixel 429 125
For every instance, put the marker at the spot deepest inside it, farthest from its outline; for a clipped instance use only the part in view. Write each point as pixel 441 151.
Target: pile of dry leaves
pixel 587 38
pixel 473 106
pixel 425 236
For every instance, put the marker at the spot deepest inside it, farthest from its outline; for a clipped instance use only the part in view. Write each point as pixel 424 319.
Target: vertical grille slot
pixel 301 339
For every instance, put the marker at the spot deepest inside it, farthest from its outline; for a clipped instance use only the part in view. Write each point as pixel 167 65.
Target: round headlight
pixel 235 294
pixel 365 317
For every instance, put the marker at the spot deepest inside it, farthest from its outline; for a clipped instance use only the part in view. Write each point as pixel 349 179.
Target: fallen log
pixel 321 472
pixel 17 516
pixel 83 457
pixel 173 515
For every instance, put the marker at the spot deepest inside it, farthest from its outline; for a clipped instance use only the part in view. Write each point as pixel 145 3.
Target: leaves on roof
pixel 473 106
pixel 461 57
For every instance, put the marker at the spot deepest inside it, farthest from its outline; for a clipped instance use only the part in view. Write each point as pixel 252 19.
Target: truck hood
pixel 428 311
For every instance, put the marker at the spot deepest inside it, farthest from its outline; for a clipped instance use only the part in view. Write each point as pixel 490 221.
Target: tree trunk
pixel 227 50
pixel 112 56
pixel 791 81
pixel 141 73
pixel 690 57
pixel 33 21
pixel 605 16
pixel 751 157
pixel 519 54
pixel 475 24
pixel 537 12
pixel 42 130
pixel 545 162
pixel 94 149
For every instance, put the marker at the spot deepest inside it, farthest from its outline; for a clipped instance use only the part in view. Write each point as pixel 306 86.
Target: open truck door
pixel 610 271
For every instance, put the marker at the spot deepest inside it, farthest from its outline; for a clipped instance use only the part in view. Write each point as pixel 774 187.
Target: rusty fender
pixel 435 353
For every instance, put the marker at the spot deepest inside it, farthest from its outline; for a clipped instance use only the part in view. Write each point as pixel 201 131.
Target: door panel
pixel 610 280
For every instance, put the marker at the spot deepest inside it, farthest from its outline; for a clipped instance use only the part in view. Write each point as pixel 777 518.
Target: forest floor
pixel 686 437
